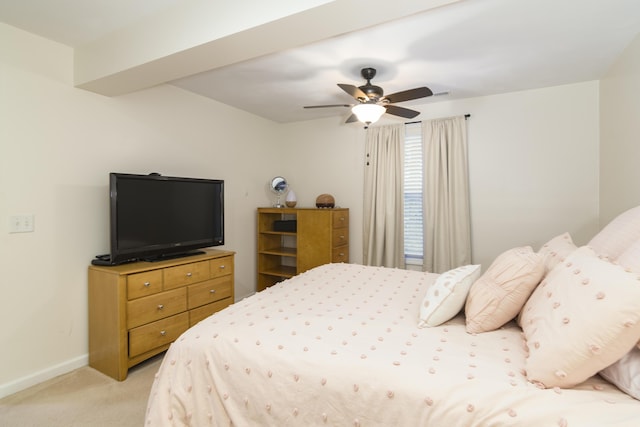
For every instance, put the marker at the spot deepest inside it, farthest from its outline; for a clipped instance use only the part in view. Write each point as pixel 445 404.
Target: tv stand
pixel 137 310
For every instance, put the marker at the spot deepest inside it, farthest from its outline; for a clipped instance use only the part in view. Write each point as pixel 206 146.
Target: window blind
pixel 413 247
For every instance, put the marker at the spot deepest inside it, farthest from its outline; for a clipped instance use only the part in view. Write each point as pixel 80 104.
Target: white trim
pixel 46 374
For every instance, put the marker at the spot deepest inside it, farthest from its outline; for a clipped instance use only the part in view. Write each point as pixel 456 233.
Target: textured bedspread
pixel 339 346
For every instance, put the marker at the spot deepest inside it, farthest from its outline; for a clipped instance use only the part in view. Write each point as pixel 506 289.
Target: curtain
pixel 383 197
pixel 446 222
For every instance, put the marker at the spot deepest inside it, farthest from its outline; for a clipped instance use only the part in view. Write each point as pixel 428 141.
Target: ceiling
pixel 467 48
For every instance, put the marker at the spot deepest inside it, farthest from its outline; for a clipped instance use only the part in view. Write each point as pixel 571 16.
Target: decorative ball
pixel 325 201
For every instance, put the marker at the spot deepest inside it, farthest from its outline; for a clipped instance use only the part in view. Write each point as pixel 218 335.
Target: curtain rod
pixel 466 116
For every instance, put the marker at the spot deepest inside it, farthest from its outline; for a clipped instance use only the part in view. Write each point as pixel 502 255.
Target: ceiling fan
pixel 372 103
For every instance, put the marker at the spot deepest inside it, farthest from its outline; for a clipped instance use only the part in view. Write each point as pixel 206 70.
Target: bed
pixel 353 345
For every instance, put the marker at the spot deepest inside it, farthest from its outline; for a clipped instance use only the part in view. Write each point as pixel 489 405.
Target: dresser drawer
pixel 340 254
pixel 201 313
pixel 209 291
pixel 143 284
pixel 340 218
pixel 186 274
pixel 137 309
pixel 339 237
pixel 221 266
pixel 156 334
pixel 156 307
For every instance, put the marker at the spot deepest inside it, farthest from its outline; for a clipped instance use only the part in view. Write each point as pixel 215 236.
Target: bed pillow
pixel 630 258
pixel 625 373
pixel 556 250
pixel 618 235
pixel 500 293
pixel 584 316
pixel 446 296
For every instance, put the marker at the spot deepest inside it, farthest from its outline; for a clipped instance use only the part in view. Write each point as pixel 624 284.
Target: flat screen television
pixel 156 217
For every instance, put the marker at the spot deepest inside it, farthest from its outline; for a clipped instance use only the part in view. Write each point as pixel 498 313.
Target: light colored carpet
pixel 84 397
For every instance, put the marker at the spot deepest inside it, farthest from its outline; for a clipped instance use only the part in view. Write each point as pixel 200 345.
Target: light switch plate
pixel 21 223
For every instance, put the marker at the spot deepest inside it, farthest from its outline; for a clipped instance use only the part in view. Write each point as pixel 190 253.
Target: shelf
pixel 321 236
pixel 279 233
pixel 289 252
pixel 281 271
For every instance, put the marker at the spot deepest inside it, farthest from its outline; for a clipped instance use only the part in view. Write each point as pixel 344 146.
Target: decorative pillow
pixel 583 316
pixel 445 298
pixel 625 373
pixel 556 250
pixel 499 294
pixel 618 235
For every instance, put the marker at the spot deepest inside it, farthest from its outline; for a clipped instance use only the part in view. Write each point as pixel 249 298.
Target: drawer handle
pixel 160 306
pixel 342 218
pixel 341 253
pixel 163 333
pixel 189 274
pixel 222 267
pixel 342 237
pixel 212 291
pixel 147 284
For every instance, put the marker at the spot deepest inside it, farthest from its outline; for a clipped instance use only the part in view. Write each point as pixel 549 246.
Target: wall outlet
pixel 21 223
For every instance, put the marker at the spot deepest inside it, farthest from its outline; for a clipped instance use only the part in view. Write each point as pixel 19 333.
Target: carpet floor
pixel 84 397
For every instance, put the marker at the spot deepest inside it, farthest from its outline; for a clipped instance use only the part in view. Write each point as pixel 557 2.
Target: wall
pixel 533 165
pixel 58 146
pixel 324 156
pixel 619 135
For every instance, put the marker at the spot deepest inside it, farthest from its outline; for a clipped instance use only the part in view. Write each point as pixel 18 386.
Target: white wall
pixel 324 156
pixel 620 135
pixel 533 160
pixel 58 145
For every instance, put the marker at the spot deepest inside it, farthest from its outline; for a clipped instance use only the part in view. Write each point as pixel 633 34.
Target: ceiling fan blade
pixel 401 111
pixel 354 91
pixel 408 95
pixel 352 118
pixel 327 106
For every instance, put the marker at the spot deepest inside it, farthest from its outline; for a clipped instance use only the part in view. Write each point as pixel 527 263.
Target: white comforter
pixel 339 346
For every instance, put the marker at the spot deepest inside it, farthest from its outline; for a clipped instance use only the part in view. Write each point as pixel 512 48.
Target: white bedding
pixel 339 345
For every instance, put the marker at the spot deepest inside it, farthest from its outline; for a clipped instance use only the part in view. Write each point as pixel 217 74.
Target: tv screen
pixel 155 217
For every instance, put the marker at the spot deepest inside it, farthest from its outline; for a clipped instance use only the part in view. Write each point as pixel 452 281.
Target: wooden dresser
pixel 321 236
pixel 137 310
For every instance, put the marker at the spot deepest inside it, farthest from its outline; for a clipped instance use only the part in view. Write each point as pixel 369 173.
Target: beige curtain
pixel 446 223
pixel 383 198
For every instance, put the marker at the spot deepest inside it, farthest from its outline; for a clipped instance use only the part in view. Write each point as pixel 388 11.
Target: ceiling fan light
pixel 368 113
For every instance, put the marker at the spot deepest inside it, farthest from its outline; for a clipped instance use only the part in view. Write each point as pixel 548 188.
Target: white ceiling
pixel 469 48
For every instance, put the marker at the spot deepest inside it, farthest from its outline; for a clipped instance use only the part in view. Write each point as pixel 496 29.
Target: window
pixel 413 194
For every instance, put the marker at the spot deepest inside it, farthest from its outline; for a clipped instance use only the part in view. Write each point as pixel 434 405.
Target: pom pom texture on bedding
pixel 584 316
pixel 556 250
pixel 339 345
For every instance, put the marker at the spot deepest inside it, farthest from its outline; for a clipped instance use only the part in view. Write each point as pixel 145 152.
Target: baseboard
pixel 46 374
pixel 246 296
